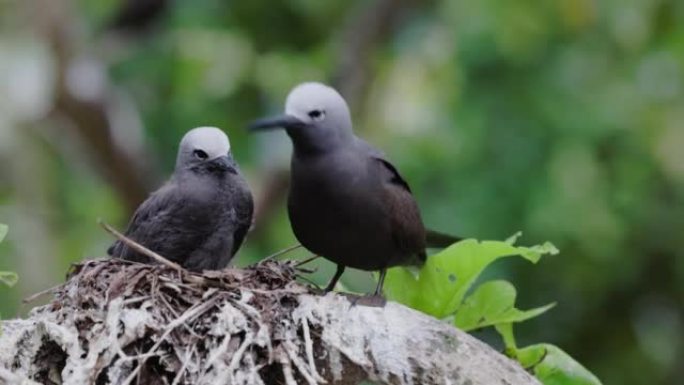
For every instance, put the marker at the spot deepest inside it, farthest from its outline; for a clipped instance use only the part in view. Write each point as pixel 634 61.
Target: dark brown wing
pixel 245 215
pixel 408 231
pixel 146 213
pixel 163 224
pixel 434 239
pixel 394 175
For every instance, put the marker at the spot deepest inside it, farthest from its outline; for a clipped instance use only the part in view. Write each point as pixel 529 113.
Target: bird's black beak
pixel 282 121
pixel 224 163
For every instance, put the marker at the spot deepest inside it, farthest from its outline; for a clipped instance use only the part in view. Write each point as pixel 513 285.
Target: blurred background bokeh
pixel 560 118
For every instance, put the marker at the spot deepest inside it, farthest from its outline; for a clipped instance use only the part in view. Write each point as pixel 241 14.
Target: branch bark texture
pixel 123 323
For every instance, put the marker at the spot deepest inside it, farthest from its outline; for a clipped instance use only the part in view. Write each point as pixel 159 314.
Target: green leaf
pixel 8 278
pixel 530 356
pixel 493 303
pixel 440 285
pixel 553 366
pixel 513 238
pixel 506 332
pixel 3 231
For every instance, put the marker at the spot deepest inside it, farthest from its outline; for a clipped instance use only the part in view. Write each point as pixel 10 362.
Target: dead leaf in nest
pixel 125 281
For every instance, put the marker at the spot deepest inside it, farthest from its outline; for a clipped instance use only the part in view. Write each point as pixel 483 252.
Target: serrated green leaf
pixel 546 248
pixel 8 278
pixel 443 281
pixel 493 303
pixel 3 231
pixel 513 238
pixel 553 366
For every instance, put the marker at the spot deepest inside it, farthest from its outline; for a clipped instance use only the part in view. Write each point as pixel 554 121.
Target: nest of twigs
pixel 153 324
pixel 118 322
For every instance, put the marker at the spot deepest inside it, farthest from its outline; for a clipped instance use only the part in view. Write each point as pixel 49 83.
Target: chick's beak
pixel 224 163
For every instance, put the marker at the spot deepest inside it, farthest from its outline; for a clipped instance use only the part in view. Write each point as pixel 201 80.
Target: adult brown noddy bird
pixel 347 202
pixel 200 217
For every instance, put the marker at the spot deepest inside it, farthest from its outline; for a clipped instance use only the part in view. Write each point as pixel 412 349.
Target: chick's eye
pixel 316 114
pixel 199 154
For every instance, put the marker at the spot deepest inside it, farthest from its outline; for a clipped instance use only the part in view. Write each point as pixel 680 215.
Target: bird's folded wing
pixel 245 209
pixel 434 239
pixel 408 232
pixel 162 223
pixel 392 174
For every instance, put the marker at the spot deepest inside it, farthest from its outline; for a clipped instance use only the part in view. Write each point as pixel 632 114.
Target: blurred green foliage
pixel 561 118
pixel 8 278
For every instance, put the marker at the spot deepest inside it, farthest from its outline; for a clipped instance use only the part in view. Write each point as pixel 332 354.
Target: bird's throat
pixel 307 144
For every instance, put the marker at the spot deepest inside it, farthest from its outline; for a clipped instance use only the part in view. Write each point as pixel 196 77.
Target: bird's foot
pixel 370 300
pixel 317 290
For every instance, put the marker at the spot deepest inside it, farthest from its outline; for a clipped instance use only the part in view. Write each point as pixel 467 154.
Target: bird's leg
pixel 335 278
pixel 381 282
pixel 374 300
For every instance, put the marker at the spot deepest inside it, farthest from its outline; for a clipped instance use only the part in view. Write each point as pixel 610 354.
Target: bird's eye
pixel 199 154
pixel 317 114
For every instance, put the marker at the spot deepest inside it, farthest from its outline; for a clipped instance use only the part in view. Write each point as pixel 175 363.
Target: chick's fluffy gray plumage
pixel 200 217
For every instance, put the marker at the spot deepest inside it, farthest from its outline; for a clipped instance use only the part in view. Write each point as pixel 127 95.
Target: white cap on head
pixel 211 140
pixel 310 97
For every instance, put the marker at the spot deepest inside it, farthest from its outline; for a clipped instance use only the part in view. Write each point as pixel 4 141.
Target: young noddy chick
pixel 347 202
pixel 200 217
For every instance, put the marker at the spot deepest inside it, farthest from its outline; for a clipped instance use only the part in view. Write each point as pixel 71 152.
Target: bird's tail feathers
pixel 435 239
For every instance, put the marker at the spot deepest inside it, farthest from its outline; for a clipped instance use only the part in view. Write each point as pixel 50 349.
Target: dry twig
pixel 139 248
